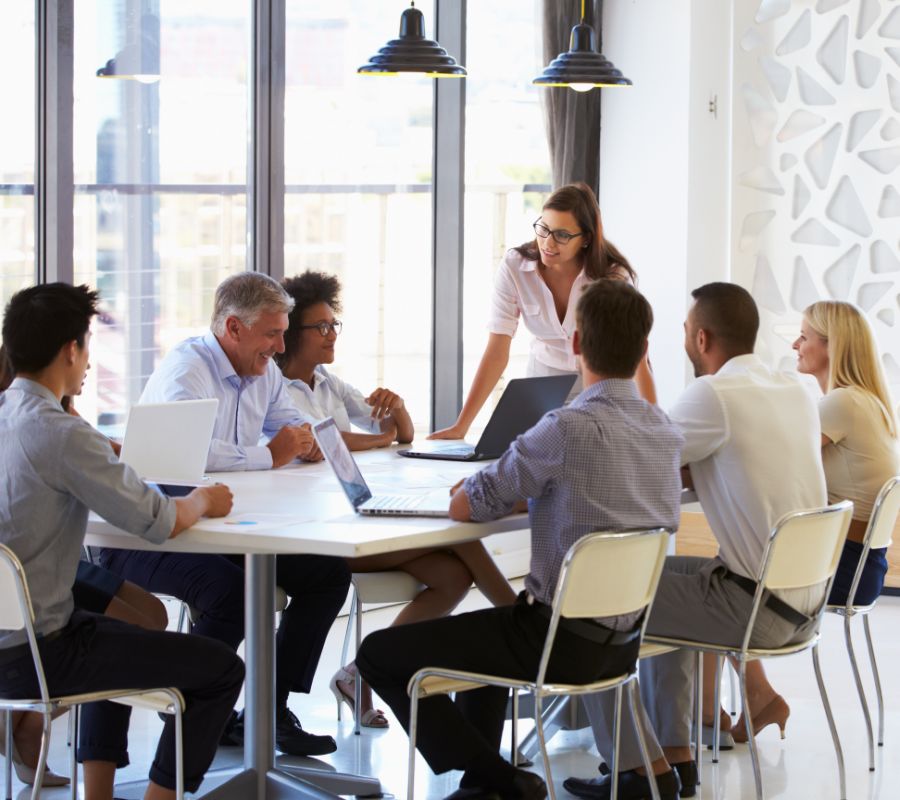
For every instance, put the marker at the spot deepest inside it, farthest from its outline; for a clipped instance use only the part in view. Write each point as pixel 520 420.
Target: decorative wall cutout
pixel 882 259
pixel 797 37
pixel 868 15
pixel 860 124
pixel 845 209
pixel 812 92
pixel 803 290
pixel 834 231
pixel 778 76
pixel 832 55
pixel 889 205
pixel 867 68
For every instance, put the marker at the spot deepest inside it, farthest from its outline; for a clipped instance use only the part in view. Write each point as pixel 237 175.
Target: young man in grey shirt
pixel 56 469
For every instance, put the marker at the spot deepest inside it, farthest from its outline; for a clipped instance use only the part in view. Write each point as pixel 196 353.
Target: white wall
pixel 663 177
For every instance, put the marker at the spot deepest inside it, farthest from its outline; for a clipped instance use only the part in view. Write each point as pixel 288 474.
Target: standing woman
pixel 541 281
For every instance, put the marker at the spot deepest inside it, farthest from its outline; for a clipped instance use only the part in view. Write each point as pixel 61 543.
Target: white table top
pixel 301 509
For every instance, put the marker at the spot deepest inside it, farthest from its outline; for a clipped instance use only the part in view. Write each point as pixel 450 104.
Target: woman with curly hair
pixel 383 419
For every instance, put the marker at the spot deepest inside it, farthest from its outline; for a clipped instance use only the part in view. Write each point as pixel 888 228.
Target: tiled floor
pixel 802 766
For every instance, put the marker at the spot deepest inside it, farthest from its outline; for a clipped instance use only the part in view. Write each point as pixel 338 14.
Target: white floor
pixel 801 766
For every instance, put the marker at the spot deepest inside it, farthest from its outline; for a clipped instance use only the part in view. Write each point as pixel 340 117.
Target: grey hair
pixel 246 296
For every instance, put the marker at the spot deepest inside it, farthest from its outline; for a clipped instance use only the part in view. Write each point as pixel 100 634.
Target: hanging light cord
pixel 582 12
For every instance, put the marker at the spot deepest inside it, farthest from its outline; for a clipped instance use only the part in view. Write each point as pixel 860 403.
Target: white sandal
pixel 373 718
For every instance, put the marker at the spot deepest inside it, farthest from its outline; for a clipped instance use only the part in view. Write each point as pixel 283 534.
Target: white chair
pixel 878 534
pixel 391 586
pixel 803 550
pixel 603 574
pixel 16 613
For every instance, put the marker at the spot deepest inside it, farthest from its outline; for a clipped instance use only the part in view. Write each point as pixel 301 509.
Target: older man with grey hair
pixel 234 363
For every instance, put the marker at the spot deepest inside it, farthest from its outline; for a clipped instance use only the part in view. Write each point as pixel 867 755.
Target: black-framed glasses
pixel 560 237
pixel 324 328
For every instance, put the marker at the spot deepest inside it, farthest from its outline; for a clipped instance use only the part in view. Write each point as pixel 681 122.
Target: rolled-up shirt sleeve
pixel 504 313
pixel 699 415
pixel 89 470
pixel 358 410
pixel 526 470
pixel 281 410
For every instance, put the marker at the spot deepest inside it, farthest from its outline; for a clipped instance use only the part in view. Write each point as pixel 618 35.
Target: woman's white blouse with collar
pixel 332 397
pixel 519 289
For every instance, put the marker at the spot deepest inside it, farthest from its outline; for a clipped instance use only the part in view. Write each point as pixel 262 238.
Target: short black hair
pixel 614 321
pixel 307 290
pixel 728 312
pixel 6 370
pixel 40 320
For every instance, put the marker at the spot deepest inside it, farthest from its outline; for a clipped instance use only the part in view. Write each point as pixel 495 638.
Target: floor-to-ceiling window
pixel 17 137
pixel 160 168
pixel 358 156
pixel 507 163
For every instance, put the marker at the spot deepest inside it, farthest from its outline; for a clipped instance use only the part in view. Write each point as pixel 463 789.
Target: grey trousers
pixel 695 600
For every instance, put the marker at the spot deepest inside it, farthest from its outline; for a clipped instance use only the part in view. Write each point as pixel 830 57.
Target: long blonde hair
pixel 852 353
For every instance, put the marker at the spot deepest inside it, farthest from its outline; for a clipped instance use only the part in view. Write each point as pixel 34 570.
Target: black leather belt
pixel 771 602
pixel 17 651
pixel 586 628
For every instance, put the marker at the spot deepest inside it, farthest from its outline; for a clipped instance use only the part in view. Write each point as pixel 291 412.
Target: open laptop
pixel 346 470
pixel 522 404
pixel 168 443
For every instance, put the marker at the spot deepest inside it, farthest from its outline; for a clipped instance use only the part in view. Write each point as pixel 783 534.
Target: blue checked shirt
pixel 609 461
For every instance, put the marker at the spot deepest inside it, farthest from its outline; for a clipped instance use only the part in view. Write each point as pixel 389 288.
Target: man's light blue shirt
pixel 249 407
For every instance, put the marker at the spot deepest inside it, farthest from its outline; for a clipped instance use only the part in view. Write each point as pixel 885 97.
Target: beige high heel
pixel 776 712
pixel 25 773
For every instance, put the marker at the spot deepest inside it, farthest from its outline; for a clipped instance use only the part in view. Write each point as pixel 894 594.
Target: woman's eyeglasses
pixel 324 328
pixel 560 237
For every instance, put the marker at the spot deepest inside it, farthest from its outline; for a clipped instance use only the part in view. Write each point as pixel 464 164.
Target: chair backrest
pixel 16 611
pixel 605 575
pixel 805 547
pixel 12 589
pixel 884 514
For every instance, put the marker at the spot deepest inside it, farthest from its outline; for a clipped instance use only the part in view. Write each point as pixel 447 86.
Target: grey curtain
pixel 572 118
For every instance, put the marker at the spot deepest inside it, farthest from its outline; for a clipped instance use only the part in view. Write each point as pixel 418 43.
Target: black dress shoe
pixel 631 786
pixel 233 732
pixel 688 776
pixel 290 737
pixel 526 786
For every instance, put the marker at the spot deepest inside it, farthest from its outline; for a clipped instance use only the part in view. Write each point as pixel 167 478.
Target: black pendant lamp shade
pixel 412 52
pixel 582 67
pixel 138 60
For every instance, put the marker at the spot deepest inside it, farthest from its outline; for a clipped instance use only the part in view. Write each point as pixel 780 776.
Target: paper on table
pixel 246 523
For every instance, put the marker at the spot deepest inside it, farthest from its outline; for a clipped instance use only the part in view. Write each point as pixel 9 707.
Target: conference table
pixel 301 509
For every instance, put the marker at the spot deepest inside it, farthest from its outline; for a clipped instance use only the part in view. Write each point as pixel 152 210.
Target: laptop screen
pixel 338 455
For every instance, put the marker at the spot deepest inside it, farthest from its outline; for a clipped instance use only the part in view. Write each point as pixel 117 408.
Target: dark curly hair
pixel 307 290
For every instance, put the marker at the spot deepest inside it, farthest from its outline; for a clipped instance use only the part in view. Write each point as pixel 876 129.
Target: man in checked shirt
pixel 608 461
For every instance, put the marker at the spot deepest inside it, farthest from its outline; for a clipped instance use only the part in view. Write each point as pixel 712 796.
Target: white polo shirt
pixel 753 441
pixel 519 290
pixel 332 397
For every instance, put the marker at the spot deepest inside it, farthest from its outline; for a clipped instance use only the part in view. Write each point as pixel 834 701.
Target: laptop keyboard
pixel 394 502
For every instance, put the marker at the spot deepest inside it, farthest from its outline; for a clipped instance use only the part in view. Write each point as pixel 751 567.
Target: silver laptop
pixel 346 470
pixel 168 443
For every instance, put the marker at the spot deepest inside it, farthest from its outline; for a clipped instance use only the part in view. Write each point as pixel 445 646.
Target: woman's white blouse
pixel 332 397
pixel 520 290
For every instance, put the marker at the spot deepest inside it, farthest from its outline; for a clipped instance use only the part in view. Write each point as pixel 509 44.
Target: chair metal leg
pixel 514 730
pixel 642 739
pixel 698 706
pixel 834 734
pixel 717 716
pixel 357 682
pixel 179 752
pixel 617 724
pixel 870 736
pixel 181 627
pixel 413 723
pixel 542 741
pixel 7 752
pixel 73 748
pixel 877 678
pixel 345 648
pixel 732 689
pixel 42 758
pixel 751 734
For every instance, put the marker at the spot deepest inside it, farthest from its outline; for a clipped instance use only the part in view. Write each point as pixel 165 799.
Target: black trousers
pixel 214 586
pixel 93 653
pixel 504 641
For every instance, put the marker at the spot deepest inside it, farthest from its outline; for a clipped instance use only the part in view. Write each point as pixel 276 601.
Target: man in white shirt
pixel 752 445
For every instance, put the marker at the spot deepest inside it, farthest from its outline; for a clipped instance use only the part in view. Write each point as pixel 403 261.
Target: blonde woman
pixel 859 453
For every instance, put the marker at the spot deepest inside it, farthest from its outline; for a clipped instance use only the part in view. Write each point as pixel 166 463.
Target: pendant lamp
pixel 138 60
pixel 582 67
pixel 412 52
